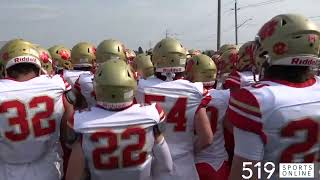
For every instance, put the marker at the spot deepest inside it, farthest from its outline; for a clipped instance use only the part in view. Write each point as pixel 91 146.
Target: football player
pixel 244 74
pixel 201 68
pixel 32 109
pixel 119 139
pixel 106 50
pixel 211 162
pixel 183 102
pixel 226 65
pixel 277 119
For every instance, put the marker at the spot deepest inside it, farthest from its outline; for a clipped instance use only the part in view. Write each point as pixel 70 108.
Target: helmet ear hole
pixel 297 37
pixel 129 74
pixel 57 51
pixel 88 50
pixel 283 22
pixel 118 49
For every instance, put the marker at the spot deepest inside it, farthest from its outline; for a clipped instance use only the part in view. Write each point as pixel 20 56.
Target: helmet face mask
pixel 83 54
pixel 289 39
pixel 114 84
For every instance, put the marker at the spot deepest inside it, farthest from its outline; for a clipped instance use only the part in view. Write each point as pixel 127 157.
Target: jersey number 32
pixel 19 119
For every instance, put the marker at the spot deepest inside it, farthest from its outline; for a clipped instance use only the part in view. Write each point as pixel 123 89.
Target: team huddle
pixel 100 113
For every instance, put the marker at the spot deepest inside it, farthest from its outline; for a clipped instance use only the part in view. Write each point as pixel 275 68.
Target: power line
pixel 263 3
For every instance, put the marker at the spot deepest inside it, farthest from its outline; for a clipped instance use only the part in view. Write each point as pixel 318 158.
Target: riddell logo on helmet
pixel 300 61
pixel 25 59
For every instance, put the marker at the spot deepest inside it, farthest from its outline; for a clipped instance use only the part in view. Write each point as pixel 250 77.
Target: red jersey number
pixel 112 138
pixel 21 121
pixel 177 113
pixel 312 129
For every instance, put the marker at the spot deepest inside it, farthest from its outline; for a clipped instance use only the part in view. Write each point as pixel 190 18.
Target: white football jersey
pixel 72 75
pixel 216 153
pixel 238 79
pixel 84 85
pixel 118 145
pixel 30 115
pixel 284 115
pixel 180 100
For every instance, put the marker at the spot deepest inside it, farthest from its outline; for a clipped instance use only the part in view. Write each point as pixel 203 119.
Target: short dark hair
pixel 21 69
pixel 294 74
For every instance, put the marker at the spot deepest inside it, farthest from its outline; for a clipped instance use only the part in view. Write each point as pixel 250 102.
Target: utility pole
pixel 219 25
pixel 167 33
pixel 236 20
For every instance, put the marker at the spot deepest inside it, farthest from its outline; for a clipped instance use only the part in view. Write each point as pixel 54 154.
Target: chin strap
pixel 169 75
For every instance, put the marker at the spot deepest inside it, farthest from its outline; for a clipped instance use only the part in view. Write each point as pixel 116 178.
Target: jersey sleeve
pixel 161 112
pixel 244 112
pixel 232 81
pixel 204 102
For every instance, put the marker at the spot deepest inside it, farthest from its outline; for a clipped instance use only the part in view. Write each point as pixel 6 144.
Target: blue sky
pixel 137 22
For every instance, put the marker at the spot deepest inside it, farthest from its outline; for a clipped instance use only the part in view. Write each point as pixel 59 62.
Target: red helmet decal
pixel 64 54
pixel 267 29
pixel 5 56
pixel 250 51
pixel 44 57
pixel 312 38
pixel 190 65
pixel 280 48
pixel 233 57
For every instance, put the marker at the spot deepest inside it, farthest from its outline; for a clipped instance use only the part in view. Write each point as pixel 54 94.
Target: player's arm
pixel 162 157
pixel 76 165
pixel 162 161
pixel 248 148
pixel 80 100
pixel 203 130
pixel 66 131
